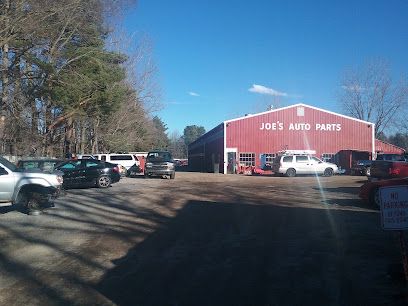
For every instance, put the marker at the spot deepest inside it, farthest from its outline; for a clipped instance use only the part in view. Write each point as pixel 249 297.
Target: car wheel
pixel 22 201
pixel 103 181
pixel 375 198
pixel 367 171
pixel 291 172
pixel 28 203
pixel 328 172
pixel 146 175
pixel 173 175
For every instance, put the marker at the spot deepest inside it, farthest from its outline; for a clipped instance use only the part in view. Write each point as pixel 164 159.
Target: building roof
pixel 213 130
pixel 381 144
pixel 272 111
pixel 297 105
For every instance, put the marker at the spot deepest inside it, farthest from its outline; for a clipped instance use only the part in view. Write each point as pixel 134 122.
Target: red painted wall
pixel 384 147
pixel 281 129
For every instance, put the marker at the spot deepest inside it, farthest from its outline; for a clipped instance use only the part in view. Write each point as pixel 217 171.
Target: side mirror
pixel 3 171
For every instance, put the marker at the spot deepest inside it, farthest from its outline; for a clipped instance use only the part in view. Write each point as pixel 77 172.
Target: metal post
pixel 404 255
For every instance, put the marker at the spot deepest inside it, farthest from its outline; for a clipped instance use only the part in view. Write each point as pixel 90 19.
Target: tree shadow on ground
pixel 349 190
pixel 215 253
pixel 346 202
pixel 50 259
pixel 349 203
pixel 362 181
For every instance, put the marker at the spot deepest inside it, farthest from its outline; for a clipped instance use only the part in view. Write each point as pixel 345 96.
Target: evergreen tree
pixel 160 139
pixel 192 133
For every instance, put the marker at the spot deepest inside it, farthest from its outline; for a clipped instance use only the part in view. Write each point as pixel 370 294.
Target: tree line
pixel 178 144
pixel 64 88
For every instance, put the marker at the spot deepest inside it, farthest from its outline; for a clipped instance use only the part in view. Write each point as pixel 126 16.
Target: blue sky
pixel 210 54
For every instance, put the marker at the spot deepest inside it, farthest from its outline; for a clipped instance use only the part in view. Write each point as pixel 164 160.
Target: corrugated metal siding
pixel 207 151
pixel 384 147
pixel 246 134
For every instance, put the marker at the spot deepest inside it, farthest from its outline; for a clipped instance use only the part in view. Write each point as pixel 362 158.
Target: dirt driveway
pixel 202 239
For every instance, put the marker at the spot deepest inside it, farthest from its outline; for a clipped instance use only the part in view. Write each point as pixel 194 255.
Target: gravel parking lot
pixel 203 239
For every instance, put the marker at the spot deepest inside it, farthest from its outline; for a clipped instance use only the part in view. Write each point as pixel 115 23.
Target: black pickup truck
pixel 365 167
pixel 388 166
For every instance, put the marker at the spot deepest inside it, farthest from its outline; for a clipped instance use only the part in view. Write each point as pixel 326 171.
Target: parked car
pixel 44 165
pixel 86 156
pixel 369 192
pixel 362 167
pixel 387 166
pixel 294 164
pixel 125 160
pixel 89 172
pixel 159 163
pixel 30 190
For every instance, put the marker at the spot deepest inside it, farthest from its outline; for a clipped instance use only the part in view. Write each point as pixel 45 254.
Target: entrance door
pixel 232 162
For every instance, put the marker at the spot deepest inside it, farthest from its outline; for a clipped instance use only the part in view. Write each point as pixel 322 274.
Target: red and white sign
pixel 394 207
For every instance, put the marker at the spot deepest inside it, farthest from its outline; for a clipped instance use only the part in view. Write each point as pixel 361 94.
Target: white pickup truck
pixel 27 190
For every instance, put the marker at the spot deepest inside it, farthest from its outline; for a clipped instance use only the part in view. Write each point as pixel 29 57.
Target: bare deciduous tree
pixel 140 66
pixel 177 145
pixel 369 93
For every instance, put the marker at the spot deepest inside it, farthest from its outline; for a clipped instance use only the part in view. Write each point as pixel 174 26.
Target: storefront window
pixel 247 159
pixel 328 157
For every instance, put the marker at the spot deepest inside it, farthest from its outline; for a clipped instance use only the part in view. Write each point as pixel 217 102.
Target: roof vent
pixel 301 111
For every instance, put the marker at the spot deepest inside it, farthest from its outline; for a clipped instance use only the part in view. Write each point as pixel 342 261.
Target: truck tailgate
pixel 383 169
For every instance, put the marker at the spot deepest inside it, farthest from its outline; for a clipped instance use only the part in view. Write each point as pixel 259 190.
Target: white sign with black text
pixel 394 207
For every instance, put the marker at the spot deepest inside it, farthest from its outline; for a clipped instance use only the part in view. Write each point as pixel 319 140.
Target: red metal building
pixel 254 140
pixel 384 147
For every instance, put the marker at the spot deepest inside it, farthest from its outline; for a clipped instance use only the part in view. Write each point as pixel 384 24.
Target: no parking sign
pixel 394 215
pixel 394 207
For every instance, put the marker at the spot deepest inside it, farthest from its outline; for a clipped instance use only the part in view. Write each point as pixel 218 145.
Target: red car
pixel 369 192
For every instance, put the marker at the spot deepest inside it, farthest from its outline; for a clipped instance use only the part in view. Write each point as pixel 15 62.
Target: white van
pixel 125 160
pixel 293 162
pixel 86 156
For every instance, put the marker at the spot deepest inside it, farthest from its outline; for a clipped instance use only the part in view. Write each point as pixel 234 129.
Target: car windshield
pixel 391 157
pixel 159 156
pixel 316 159
pixel 8 164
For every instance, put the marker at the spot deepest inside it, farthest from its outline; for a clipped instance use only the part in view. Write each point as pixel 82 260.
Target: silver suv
pixel 30 190
pixel 293 164
pixel 159 163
